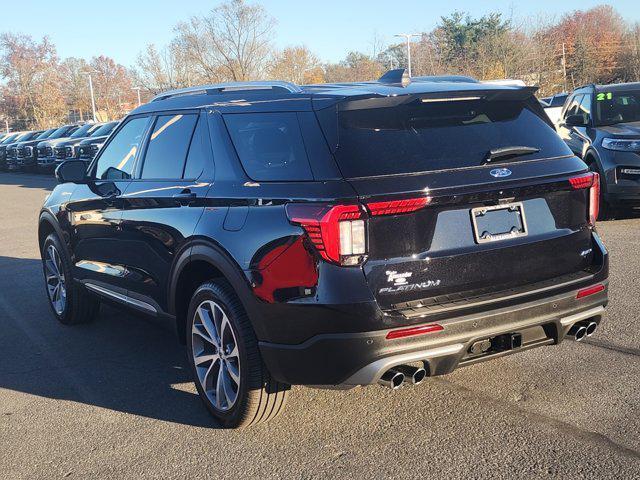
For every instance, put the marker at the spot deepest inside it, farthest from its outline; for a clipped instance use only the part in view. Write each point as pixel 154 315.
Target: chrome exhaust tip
pixel 578 332
pixel 392 379
pixel 591 328
pixel 412 375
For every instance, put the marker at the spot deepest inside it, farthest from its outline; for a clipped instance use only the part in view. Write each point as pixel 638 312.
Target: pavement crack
pixel 559 425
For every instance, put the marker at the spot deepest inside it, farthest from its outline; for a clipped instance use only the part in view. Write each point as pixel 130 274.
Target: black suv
pixel 601 125
pixel 66 149
pixel 332 235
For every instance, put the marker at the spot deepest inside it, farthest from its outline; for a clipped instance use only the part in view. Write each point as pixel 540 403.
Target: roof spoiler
pixel 400 76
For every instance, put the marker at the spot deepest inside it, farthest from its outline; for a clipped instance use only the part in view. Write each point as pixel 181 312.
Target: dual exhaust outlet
pixel 581 330
pixel 397 376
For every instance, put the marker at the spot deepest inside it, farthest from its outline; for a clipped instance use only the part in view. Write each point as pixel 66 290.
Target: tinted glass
pixel 62 132
pixel 585 108
pixel 105 129
pixel 9 139
pixel 83 131
pixel 168 145
pixel 617 107
pixel 557 100
pixel 45 134
pixel 573 105
pixel 118 158
pixel 269 145
pixel 418 136
pixel 197 156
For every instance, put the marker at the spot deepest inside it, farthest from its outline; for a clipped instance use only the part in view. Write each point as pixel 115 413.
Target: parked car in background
pixel 45 155
pixel 335 235
pixel 553 106
pixel 6 141
pixel 601 125
pixel 66 149
pixel 11 160
pixel 87 148
pixel 26 151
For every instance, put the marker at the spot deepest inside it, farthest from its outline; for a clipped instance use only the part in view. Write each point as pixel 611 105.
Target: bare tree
pixel 166 69
pixel 232 42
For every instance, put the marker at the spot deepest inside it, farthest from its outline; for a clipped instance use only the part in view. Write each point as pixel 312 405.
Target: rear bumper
pixel 361 358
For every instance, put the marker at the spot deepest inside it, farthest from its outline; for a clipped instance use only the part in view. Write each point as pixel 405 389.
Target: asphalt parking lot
pixel 114 399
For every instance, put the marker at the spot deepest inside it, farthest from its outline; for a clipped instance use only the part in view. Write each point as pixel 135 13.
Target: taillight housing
pixel 591 181
pixel 338 232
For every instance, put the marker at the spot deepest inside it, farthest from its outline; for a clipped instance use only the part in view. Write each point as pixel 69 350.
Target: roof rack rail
pixel 229 87
pixel 445 78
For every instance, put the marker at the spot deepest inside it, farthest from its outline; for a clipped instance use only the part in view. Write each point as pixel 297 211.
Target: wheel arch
pixel 47 225
pixel 203 261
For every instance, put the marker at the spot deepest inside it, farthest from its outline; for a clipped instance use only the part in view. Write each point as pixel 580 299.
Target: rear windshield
pixel 423 136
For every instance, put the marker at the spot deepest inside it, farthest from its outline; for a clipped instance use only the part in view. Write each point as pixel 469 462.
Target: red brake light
pixel 411 331
pixel 585 292
pixel 395 207
pixel 337 232
pixel 583 181
pixel 591 181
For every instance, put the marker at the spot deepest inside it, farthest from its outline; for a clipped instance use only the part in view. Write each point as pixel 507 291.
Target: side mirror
pixel 575 121
pixel 72 171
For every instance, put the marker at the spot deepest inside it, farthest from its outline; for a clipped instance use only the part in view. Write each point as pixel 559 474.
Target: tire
pixel 78 305
pixel 258 397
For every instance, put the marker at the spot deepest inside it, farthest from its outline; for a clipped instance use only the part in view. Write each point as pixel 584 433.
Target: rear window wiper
pixel 507 153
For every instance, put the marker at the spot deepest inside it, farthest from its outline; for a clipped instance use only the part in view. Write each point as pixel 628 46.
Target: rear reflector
pixel 411 331
pixel 585 292
pixel 395 207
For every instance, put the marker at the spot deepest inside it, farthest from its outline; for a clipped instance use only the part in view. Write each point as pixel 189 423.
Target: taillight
pixel 338 232
pixel 591 181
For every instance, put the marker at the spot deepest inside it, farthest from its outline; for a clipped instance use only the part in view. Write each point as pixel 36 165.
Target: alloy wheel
pixel 215 355
pixel 54 274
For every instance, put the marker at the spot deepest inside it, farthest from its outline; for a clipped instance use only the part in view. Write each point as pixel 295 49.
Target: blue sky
pixel 331 28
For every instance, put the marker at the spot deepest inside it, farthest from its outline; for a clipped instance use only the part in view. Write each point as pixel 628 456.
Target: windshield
pixel 45 134
pixel 617 107
pixel 104 129
pixel 9 139
pixel 434 135
pixel 83 131
pixel 60 132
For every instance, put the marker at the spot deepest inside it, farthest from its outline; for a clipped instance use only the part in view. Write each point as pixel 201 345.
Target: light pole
pixel 93 100
pixel 137 89
pixel 408 36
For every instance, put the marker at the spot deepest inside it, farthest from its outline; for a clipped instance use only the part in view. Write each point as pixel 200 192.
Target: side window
pixel 118 158
pixel 197 156
pixel 585 108
pixel 168 145
pixel 573 106
pixel 269 145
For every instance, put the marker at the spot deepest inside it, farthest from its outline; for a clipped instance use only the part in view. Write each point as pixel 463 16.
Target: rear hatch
pixel 447 223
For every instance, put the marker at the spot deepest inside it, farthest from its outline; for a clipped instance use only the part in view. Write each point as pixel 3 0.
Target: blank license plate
pixel 499 222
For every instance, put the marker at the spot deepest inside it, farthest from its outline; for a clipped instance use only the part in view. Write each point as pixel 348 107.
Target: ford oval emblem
pixel 500 172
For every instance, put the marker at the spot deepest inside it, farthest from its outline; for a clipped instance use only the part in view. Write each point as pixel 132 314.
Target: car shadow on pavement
pixel 28 180
pixel 120 362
